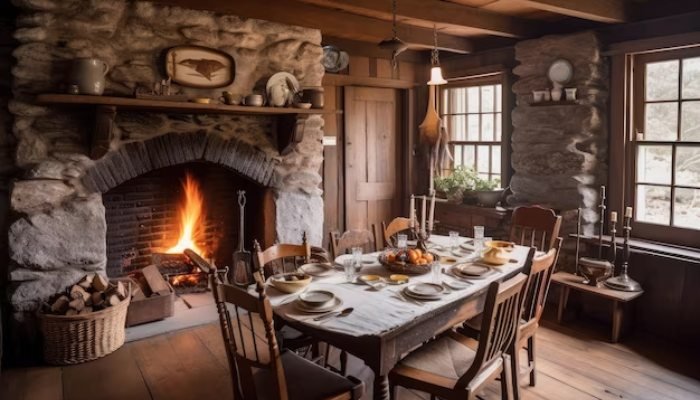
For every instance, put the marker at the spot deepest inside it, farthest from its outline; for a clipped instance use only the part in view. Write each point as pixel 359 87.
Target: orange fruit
pixel 391 257
pixel 413 256
pixel 428 257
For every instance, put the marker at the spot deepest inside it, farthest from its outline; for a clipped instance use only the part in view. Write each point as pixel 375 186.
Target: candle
pixel 602 191
pixel 613 216
pixel 431 217
pixel 628 212
pixel 422 215
pixel 412 210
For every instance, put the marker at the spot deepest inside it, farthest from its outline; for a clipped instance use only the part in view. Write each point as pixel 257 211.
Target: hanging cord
pixel 435 53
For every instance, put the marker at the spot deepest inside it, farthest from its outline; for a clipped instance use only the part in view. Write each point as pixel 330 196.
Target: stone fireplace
pixel 74 214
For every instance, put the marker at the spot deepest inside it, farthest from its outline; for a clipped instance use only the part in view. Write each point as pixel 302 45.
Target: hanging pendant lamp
pixel 436 78
pixel 395 45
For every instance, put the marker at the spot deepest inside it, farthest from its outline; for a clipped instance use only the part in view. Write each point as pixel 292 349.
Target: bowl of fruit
pixel 290 282
pixel 407 261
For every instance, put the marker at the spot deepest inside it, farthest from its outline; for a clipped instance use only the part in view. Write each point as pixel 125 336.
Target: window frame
pixel 646 230
pixel 491 78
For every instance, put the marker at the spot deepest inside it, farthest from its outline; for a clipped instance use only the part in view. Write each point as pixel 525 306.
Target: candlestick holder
pixel 422 238
pixel 623 282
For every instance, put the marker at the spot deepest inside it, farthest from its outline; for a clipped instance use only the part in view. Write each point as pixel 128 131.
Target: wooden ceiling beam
pixel 610 11
pixel 443 14
pixel 330 22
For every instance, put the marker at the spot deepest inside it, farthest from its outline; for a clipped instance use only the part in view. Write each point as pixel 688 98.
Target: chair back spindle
pixel 281 258
pixel 535 227
pixel 537 286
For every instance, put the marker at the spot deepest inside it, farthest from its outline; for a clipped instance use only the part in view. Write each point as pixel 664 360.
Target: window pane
pixel 654 204
pixel 686 211
pixel 688 166
pixel 496 159
pixel 498 127
pixel 691 78
pixel 483 159
pixel 498 98
pixel 474 128
pixel 446 101
pixel 690 120
pixel 661 121
pixel 662 80
pixel 487 97
pixel 456 127
pixel 458 156
pixel 654 164
pixel 487 127
pixel 473 101
pixel 468 156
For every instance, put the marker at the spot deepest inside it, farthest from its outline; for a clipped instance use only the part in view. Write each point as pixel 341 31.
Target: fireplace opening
pixel 145 217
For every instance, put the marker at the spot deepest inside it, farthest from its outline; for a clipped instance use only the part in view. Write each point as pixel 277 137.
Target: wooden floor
pixel 574 362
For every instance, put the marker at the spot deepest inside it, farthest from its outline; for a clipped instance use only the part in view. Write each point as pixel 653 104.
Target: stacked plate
pixel 317 301
pixel 471 271
pixel 367 260
pixel 317 269
pixel 424 291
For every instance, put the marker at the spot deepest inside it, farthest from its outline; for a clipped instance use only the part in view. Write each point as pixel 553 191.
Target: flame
pixel 191 213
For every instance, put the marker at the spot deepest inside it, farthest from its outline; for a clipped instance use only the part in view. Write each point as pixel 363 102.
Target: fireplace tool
pixel 242 261
pixel 623 281
pixel 594 269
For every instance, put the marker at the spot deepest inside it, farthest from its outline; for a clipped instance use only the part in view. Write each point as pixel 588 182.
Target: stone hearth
pixel 59 229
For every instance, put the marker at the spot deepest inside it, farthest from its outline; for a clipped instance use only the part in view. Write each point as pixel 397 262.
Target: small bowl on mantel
pixel 303 106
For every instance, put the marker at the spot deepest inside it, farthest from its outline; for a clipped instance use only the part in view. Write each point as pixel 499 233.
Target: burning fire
pixel 191 213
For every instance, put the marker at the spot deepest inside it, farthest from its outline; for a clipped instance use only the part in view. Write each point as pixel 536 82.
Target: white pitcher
pixel 89 75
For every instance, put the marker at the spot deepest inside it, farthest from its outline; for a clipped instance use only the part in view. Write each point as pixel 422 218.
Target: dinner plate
pixel 367 260
pixel 425 289
pixel 317 298
pixel 470 270
pixel 455 272
pixel 419 297
pixel 317 269
pixel 301 306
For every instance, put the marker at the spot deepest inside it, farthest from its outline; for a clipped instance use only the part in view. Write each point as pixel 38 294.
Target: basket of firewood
pixel 85 322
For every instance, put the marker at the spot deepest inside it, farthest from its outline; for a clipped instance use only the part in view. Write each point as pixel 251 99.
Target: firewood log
pixel 136 293
pixel 143 285
pixel 85 310
pixel 77 304
pixel 77 292
pixel 113 300
pixel 97 299
pixel 71 311
pixel 155 280
pixel 60 305
pixel 100 283
pixel 86 281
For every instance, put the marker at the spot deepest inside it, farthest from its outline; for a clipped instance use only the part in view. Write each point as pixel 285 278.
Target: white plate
pixel 317 298
pixel 424 289
pixel 301 306
pixel 458 274
pixel 317 269
pixel 470 270
pixel 419 297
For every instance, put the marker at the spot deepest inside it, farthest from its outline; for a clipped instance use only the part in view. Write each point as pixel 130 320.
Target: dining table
pixel 385 325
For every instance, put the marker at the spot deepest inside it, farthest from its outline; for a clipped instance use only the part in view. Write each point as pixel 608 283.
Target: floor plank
pixel 115 377
pixel 575 361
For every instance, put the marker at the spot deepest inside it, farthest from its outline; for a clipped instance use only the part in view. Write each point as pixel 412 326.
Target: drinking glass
pixel 454 240
pixel 435 272
pixel 401 240
pixel 349 268
pixel 478 237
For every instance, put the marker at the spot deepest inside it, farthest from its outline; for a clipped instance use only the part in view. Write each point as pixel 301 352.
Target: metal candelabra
pixel 623 281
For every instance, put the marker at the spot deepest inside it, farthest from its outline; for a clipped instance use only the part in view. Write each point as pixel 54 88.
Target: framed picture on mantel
pixel 199 67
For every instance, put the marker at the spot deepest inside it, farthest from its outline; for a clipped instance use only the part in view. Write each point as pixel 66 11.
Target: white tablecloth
pixel 380 311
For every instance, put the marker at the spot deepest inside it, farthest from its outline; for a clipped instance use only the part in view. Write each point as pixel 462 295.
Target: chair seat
pixel 447 357
pixel 305 380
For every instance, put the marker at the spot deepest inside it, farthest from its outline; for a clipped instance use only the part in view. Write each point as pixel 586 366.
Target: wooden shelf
pixel 290 121
pixel 555 103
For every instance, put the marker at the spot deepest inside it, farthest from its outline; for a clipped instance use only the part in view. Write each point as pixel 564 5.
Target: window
pixel 665 190
pixel 472 113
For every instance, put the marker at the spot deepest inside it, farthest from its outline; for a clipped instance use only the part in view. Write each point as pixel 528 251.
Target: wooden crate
pixel 151 309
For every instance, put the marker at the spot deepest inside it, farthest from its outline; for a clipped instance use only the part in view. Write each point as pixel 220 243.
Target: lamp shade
pixel 436 76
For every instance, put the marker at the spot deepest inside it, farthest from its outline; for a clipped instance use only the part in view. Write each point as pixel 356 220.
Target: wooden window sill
pixel 687 254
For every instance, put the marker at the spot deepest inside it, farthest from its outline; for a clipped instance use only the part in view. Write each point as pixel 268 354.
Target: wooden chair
pixel 450 368
pixel 397 225
pixel 281 258
pixel 534 298
pixel 535 226
pixel 340 244
pixel 258 369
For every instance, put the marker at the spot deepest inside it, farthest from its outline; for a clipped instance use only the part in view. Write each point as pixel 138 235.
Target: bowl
pixel 594 270
pixel 290 282
pixel 398 279
pixel 317 298
pixel 304 106
pixel 201 100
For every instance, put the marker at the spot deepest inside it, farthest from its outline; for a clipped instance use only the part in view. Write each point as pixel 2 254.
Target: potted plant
pixel 488 192
pixel 454 185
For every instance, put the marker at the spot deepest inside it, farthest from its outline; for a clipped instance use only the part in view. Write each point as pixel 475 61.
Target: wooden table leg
pixel 381 387
pixel 563 299
pixel 617 320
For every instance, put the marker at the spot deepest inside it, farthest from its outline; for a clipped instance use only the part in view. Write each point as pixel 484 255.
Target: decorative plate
pixel 285 79
pixel 560 72
pixel 199 67
pixel 334 59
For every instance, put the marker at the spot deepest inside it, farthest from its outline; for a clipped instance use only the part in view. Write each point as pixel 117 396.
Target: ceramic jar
pixel 313 95
pixel 88 74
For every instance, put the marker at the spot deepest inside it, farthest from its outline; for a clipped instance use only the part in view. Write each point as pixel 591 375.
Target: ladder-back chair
pixel 397 225
pixel 258 369
pixel 535 227
pixel 341 244
pixel 282 258
pixel 450 368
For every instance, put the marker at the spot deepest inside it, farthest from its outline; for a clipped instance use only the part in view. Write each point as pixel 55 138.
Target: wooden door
pixel 372 156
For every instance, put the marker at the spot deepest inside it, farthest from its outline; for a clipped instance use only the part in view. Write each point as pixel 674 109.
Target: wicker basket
pixel 405 268
pixel 79 338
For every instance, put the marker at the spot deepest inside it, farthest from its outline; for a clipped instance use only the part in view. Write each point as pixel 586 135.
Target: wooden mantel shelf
pixel 290 121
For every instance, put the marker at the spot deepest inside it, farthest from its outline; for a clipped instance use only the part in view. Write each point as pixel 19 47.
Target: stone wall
pixel 560 151
pixel 59 229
